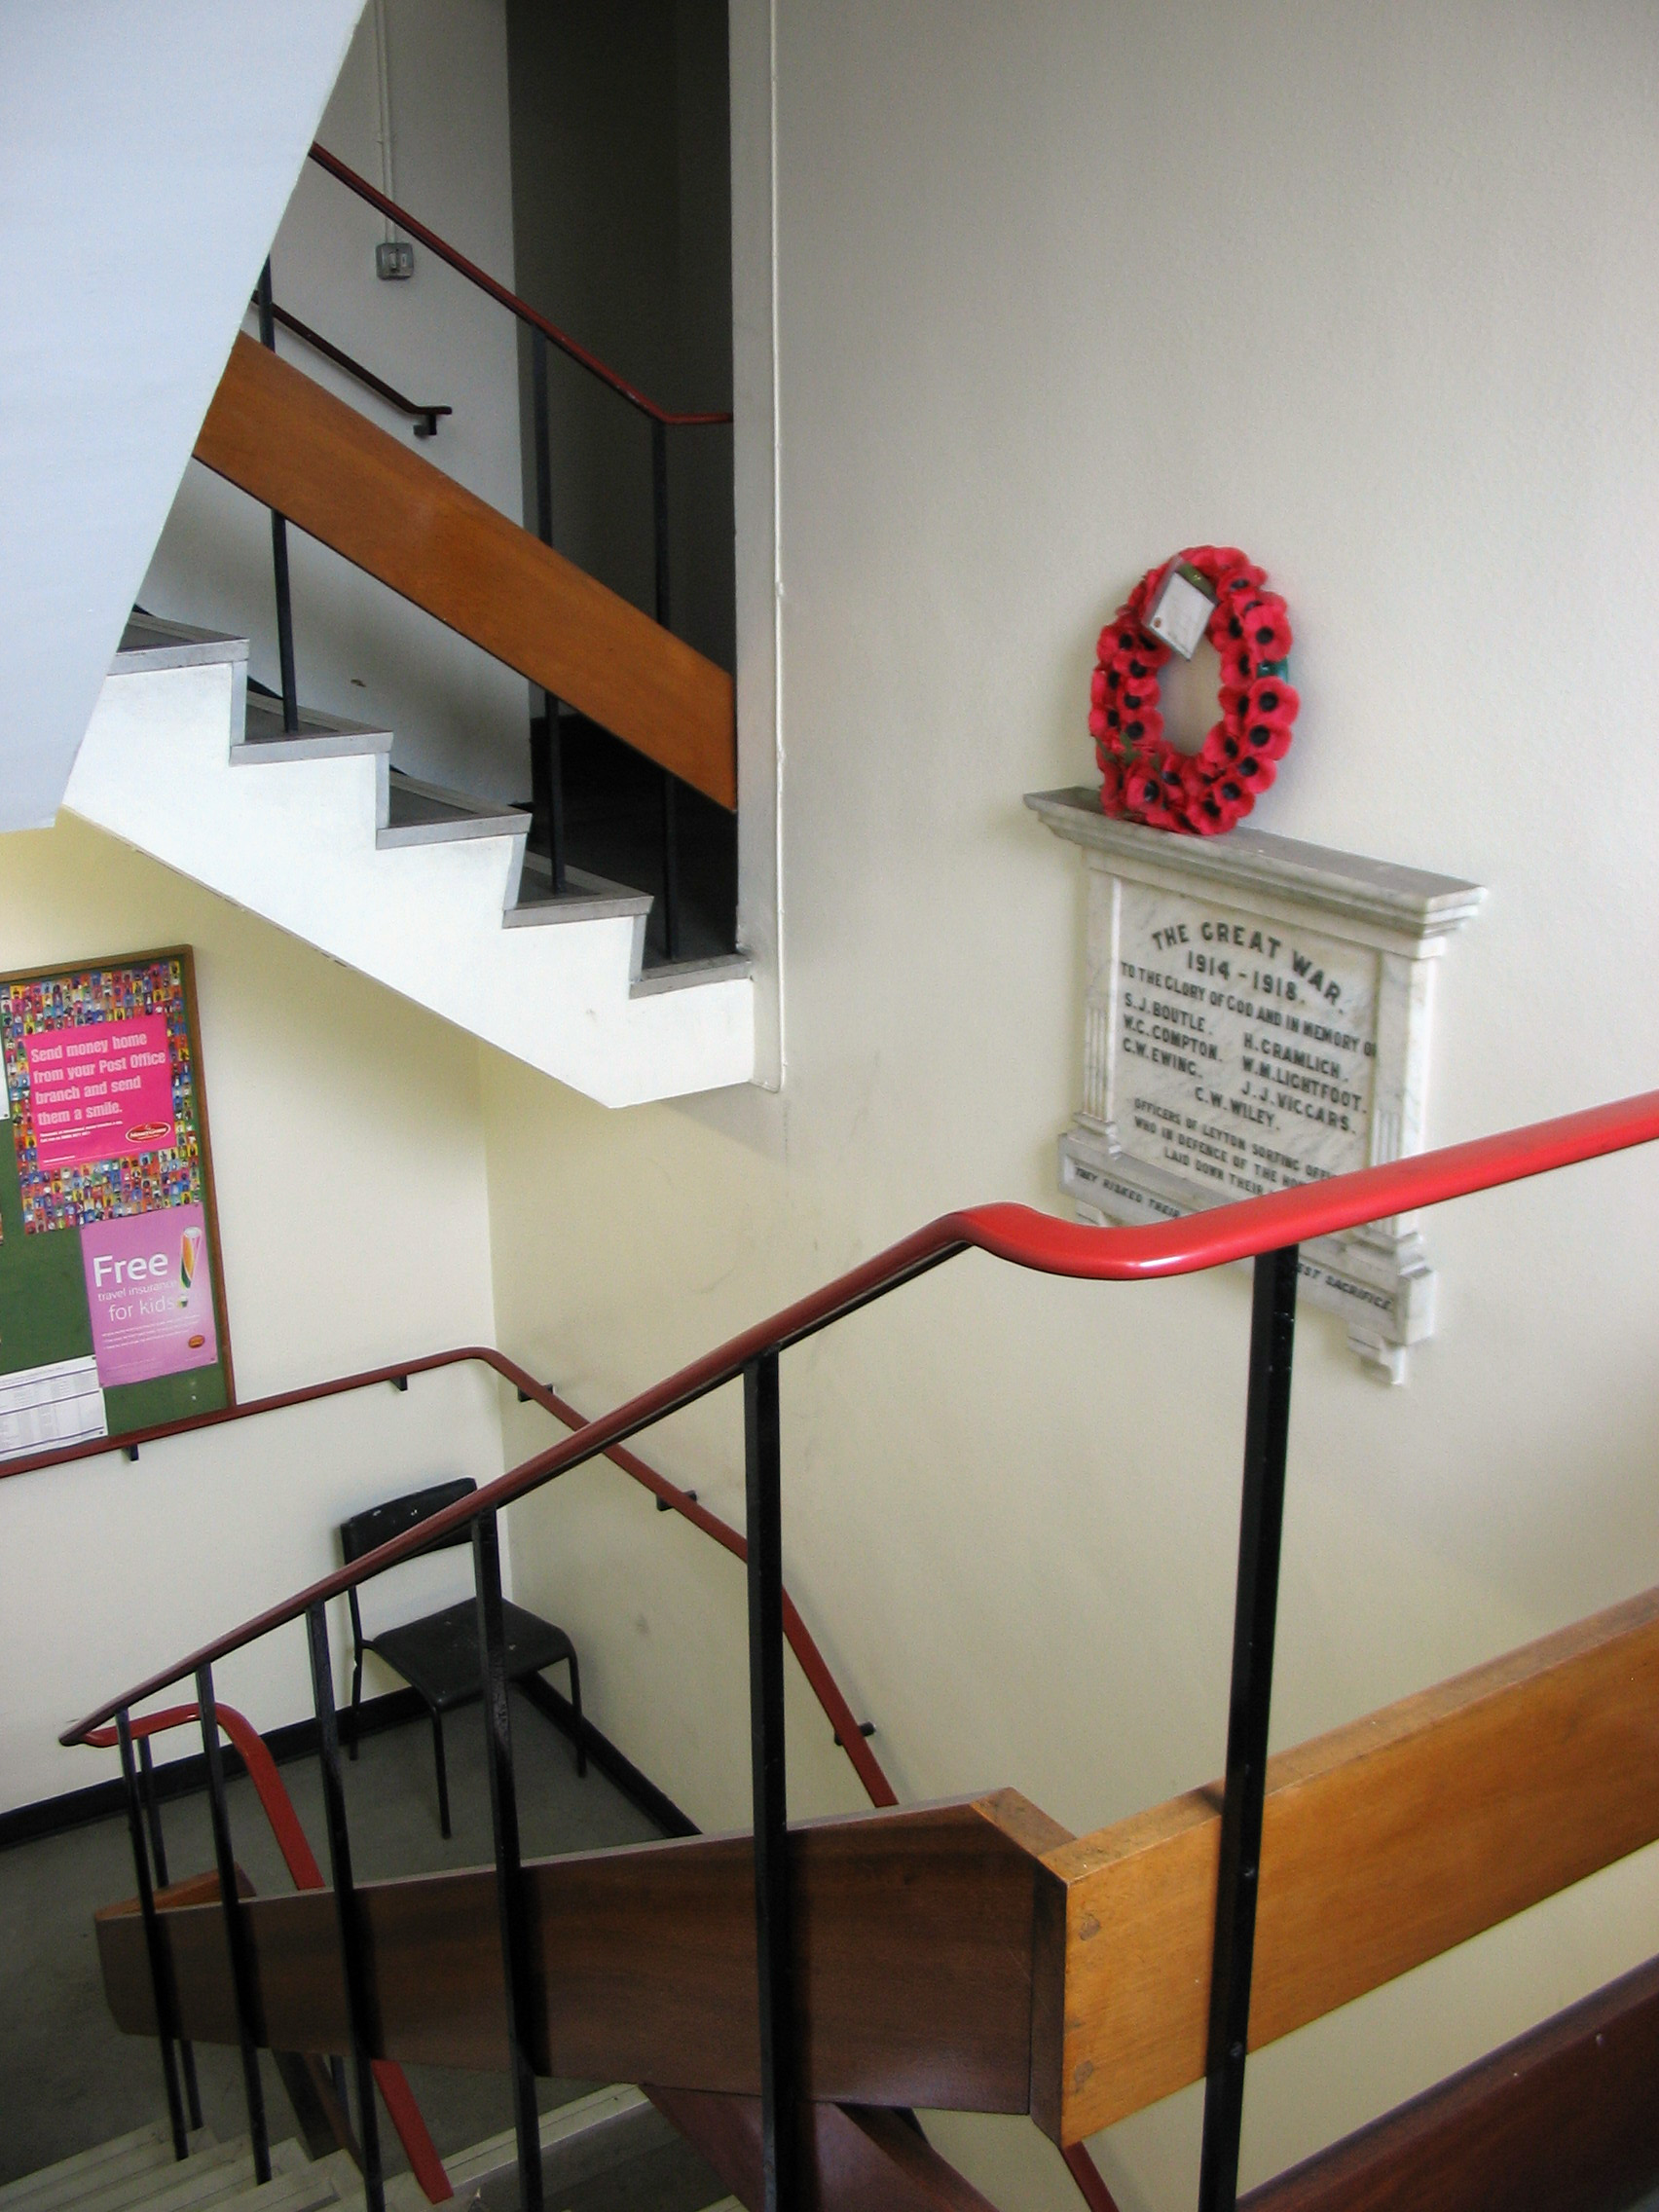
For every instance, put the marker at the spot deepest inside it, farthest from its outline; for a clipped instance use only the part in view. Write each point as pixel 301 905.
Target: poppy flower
pixel 1238 666
pixel 1212 814
pixel 1266 741
pixel 1270 699
pixel 1143 730
pixel 1239 577
pixel 1111 784
pixel 1097 688
pixel 1218 752
pixel 1255 770
pixel 1097 723
pixel 1141 660
pixel 1140 695
pixel 1267 626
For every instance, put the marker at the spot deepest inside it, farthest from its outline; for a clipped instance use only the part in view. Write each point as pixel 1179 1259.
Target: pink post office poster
pixel 100 1089
pixel 150 1294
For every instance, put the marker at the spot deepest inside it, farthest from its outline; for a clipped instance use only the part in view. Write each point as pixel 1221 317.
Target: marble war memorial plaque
pixel 1257 1015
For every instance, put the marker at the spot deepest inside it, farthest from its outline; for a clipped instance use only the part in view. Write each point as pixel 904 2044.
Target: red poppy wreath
pixel 1143 777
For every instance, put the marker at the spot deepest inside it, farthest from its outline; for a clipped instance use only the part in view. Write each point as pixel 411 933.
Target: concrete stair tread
pixel 688 974
pixel 204 2178
pixel 585 896
pixel 426 814
pixel 320 736
pixel 124 2159
pixel 150 641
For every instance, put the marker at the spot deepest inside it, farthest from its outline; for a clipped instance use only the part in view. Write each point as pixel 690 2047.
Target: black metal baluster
pixel 518 1959
pixel 280 546
pixel 669 833
pixel 774 1948
pixel 1261 1525
pixel 236 1925
pixel 354 1942
pixel 544 531
pixel 161 1966
pixel 159 1854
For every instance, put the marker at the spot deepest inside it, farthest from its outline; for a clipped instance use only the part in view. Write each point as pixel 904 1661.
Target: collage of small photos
pixel 111 1310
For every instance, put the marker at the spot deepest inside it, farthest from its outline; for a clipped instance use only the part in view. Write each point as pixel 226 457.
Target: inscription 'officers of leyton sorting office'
pixel 1244 1054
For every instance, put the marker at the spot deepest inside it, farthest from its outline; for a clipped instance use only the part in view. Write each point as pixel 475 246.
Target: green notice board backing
pixel 112 1299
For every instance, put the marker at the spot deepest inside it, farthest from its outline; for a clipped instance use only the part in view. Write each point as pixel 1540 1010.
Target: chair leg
pixel 576 1709
pixel 443 1772
pixel 356 1699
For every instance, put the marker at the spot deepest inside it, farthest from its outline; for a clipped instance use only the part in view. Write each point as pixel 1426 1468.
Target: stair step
pixel 151 642
pixel 296 2185
pixel 586 898
pixel 123 2158
pixel 686 975
pixel 203 2179
pixel 321 737
pixel 425 814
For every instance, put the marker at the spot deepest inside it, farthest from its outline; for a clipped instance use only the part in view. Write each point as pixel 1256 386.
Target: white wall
pixel 145 155
pixel 361 651
pixel 1373 293
pixel 349 1163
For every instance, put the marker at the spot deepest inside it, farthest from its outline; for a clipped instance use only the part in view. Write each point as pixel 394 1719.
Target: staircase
pixel 427 891
pixel 786 1997
pixel 424 888
pixel 606 2147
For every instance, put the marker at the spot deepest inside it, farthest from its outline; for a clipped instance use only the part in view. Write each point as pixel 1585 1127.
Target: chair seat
pixel 438 1657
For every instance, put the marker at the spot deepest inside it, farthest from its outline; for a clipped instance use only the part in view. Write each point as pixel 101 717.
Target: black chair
pixel 437 1655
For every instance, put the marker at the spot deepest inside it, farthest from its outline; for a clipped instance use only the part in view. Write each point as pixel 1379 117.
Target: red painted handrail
pixel 1027 1238
pixel 485 282
pixel 306 1874
pixel 808 1657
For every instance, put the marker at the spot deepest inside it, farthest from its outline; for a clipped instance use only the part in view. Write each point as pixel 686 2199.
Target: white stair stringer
pixel 295 840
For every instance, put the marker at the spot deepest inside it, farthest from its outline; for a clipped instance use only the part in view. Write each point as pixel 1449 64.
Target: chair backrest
pixel 378 1524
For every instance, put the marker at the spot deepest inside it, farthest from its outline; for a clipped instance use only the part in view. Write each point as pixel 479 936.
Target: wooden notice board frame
pixel 109 1219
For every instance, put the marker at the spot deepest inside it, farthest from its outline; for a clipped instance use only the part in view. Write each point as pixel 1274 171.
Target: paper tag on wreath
pixel 1181 613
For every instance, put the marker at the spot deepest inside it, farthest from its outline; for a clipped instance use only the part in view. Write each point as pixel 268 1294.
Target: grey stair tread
pixel 150 641
pixel 586 898
pixel 126 2170
pixel 62 2184
pixel 202 2178
pixel 686 975
pixel 202 2184
pixel 321 737
pixel 425 814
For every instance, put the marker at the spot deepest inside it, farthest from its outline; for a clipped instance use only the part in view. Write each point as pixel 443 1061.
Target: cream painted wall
pixel 1372 292
pixel 349 1162
pixel 458 716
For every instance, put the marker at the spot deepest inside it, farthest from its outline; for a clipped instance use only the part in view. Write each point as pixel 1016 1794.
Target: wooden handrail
pixel 423 414
pixel 1384 1844
pixel 297 450
pixel 1025 1237
pixel 530 316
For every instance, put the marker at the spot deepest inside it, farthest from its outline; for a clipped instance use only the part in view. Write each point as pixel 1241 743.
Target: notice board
pixel 112 1302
